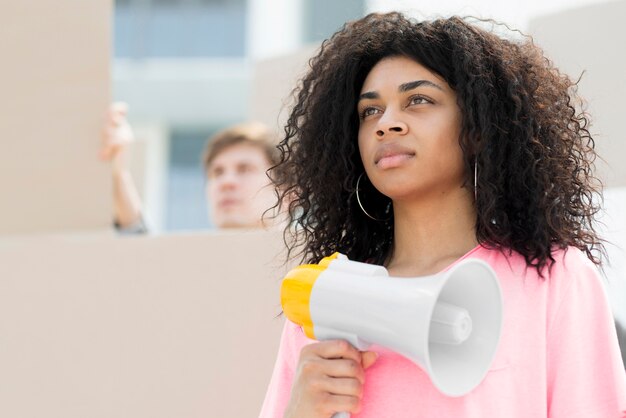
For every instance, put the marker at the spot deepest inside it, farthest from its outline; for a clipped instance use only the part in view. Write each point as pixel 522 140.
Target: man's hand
pixel 117 133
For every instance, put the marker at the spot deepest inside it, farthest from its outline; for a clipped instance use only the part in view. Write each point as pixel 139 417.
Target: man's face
pixel 238 190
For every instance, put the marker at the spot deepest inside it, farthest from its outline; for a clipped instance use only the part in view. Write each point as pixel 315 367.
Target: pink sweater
pixel 558 355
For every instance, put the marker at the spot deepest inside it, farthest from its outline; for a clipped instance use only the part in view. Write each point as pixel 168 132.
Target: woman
pixel 418 144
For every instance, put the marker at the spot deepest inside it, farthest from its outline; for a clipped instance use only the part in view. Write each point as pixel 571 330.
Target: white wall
pixel 614 231
pixel 274 28
pixel 586 43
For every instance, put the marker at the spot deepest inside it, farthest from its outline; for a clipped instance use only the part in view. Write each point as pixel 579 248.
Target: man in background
pixel 235 162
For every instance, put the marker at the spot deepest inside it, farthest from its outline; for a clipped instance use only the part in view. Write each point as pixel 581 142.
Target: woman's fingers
pixel 329 379
pixel 344 386
pixel 368 358
pixel 345 368
pixel 340 403
pixel 332 349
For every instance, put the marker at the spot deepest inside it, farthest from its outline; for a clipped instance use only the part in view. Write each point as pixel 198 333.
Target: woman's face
pixel 409 131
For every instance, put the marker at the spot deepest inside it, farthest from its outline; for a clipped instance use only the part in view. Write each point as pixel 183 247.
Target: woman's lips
pixel 391 156
pixel 393 161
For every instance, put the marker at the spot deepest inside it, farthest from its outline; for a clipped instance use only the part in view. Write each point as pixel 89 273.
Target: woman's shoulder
pixel 569 264
pixel 564 259
pixel 572 262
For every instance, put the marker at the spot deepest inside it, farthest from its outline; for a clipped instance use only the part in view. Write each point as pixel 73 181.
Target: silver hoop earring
pixel 358 199
pixel 475 179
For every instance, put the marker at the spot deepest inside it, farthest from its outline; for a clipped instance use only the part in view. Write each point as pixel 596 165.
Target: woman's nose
pixel 390 124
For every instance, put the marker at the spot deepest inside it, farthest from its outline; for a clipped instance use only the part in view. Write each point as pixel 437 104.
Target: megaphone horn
pixel 449 324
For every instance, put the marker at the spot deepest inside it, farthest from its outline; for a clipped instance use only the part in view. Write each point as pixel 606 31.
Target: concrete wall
pixel 55 88
pixel 171 326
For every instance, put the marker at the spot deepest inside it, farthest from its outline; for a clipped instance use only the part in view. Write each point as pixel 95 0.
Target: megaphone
pixel 449 324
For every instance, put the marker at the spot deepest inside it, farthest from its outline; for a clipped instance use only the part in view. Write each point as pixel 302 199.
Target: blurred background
pixel 187 68
pixel 190 67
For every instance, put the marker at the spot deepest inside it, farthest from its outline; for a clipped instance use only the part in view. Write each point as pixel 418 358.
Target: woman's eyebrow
pixel 417 83
pixel 404 87
pixel 369 95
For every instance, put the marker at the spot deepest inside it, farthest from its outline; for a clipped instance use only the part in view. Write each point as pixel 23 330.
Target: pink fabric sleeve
pixel 585 373
pixel 279 390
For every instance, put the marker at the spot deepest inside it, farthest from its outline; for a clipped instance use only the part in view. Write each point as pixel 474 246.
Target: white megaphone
pixel 448 324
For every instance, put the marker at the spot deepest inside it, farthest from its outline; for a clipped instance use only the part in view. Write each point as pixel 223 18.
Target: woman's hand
pixel 329 379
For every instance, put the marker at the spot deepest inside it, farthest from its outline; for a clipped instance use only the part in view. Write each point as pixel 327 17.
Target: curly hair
pixel 521 125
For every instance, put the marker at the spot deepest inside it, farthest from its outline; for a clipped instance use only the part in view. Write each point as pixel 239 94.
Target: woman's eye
pixel 368 111
pixel 415 100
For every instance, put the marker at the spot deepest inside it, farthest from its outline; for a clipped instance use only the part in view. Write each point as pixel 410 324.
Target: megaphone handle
pixel 342 415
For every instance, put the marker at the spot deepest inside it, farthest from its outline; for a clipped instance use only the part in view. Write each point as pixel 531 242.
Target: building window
pixel 179 29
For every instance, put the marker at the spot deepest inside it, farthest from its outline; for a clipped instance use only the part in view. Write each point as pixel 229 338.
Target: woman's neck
pixel 430 235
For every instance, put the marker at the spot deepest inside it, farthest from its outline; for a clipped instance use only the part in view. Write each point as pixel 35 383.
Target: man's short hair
pixel 249 133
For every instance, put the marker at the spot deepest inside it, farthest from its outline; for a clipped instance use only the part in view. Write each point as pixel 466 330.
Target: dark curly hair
pixel 522 125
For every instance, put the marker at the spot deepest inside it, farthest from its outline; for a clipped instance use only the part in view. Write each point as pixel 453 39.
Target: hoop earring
pixel 358 199
pixel 475 179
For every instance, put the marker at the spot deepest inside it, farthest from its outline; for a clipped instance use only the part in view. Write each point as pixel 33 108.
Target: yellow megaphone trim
pixel 295 293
